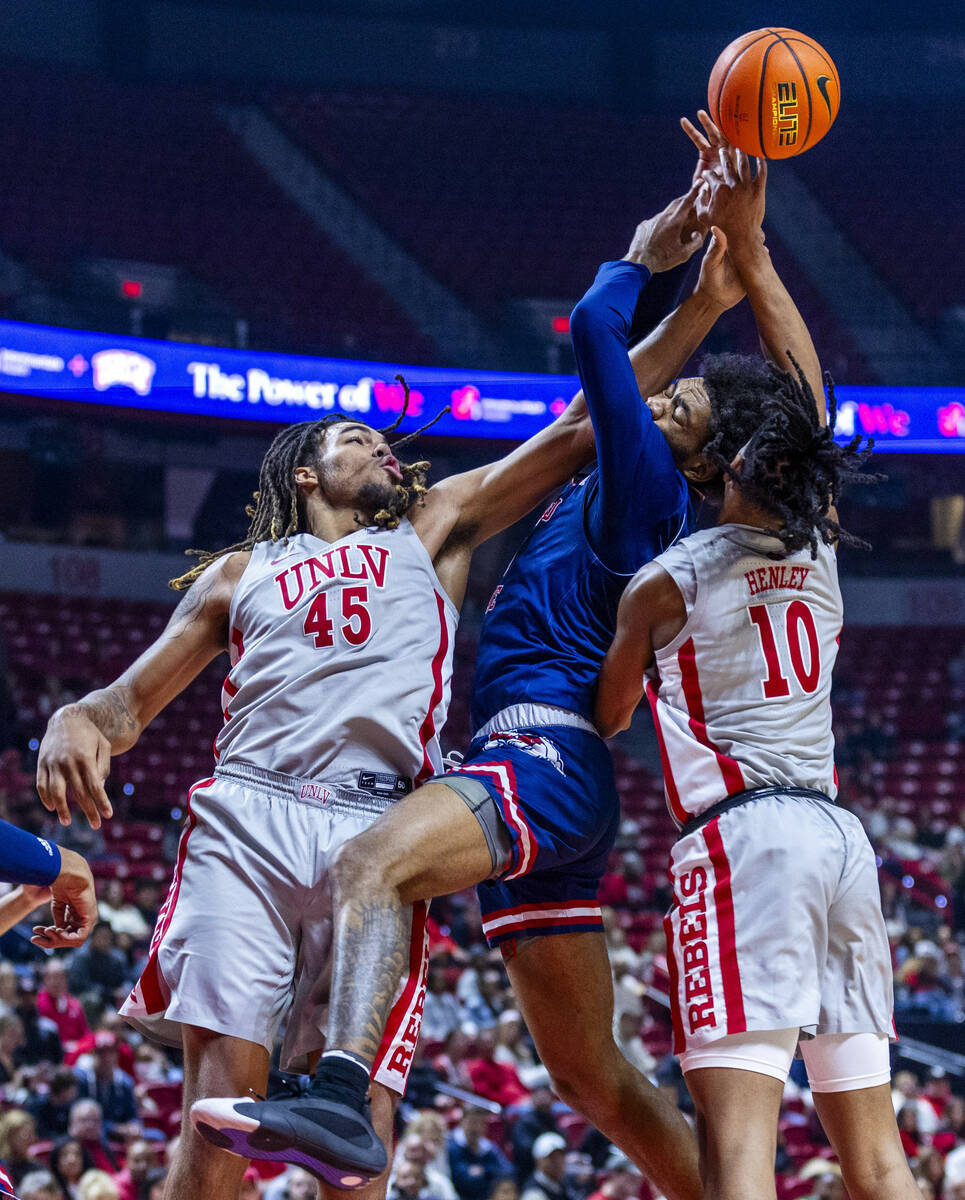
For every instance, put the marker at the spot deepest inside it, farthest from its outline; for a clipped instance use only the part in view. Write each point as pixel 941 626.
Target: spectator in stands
pixel 475 1163
pixel 51 1111
pixel 55 1001
pixel 97 1185
pixel 87 1127
pixel 156 1180
pixel 18 1132
pixel 9 988
pixel 415 1151
pixel 250 1188
pixel 482 1010
pixel 514 1048
pixel 904 1092
pixel 627 1023
pixel 11 1042
pixel 41 1039
pixel 491 1079
pixel 110 1087
pixel 441 1013
pixel 549 1168
pixel 147 901
pixel 529 1125
pixel 451 1063
pixel 122 916
pixel 954 1183
pixel 431 1128
pixel 931 1167
pixel 622 1180
pixel 828 1184
pixel 40 1185
pixel 98 969
pixel 295 1184
pixel 409 1183
pixel 140 1159
pixel 911 1137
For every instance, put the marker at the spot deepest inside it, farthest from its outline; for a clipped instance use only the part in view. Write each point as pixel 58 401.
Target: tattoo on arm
pixel 193 602
pixel 109 709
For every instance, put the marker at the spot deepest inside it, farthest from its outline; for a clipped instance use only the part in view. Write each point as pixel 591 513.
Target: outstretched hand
pixel 730 194
pixel 718 281
pixel 73 908
pixel 669 238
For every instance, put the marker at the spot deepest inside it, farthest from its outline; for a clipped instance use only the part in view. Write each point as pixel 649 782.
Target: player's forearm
pixel 661 356
pixel 111 711
pixel 15 906
pixel 779 322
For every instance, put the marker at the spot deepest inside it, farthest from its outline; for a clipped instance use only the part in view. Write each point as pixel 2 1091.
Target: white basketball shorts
pixel 776 923
pixel 243 941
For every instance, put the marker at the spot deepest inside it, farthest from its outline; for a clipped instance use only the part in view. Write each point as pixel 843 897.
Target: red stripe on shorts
pixel 690 682
pixel 429 724
pixel 400 1011
pixel 150 981
pixel 679 1045
pixel 726 937
pixel 677 810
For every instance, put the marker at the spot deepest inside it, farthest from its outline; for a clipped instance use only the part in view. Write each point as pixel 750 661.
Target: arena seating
pixel 498 200
pixel 531 197
pixel 87 642
pixel 147 172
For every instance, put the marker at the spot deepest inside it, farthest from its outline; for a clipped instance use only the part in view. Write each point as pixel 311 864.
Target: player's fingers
pixel 94 783
pixel 54 798
pixel 78 789
pixel 714 135
pixel 726 167
pixel 761 178
pixel 743 167
pixel 694 134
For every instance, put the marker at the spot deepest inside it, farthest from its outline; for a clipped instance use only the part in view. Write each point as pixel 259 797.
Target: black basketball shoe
pixel 334 1142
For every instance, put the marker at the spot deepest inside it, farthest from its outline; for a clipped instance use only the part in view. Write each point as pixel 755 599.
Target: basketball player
pixel 338 611
pixel 533 809
pixel 775 937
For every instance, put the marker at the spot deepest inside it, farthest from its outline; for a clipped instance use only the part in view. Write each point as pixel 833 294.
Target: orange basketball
pixel 774 92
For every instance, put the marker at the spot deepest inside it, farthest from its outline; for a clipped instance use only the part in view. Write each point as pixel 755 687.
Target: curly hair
pixel 738 387
pixel 276 514
pixel 791 465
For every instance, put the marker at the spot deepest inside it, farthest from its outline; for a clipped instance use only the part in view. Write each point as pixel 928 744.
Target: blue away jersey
pixel 553 616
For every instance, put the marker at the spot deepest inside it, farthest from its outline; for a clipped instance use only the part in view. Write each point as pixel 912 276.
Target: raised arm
pixel 76 750
pixel 477 504
pixel 733 198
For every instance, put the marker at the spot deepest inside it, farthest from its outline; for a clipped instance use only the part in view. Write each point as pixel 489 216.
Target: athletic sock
pixel 341 1077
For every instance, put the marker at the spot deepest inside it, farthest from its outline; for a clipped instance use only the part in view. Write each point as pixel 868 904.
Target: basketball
pixel 774 93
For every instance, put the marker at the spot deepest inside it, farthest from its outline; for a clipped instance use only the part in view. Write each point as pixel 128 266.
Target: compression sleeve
pixel 25 858
pixel 640 486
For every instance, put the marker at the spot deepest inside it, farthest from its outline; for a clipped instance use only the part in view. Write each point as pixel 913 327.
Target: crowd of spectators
pixel 90 1111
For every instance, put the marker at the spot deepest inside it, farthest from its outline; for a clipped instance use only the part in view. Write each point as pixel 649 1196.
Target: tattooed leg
pixel 428 844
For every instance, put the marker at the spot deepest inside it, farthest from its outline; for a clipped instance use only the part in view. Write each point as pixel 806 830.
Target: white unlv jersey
pixel 341 661
pixel 741 696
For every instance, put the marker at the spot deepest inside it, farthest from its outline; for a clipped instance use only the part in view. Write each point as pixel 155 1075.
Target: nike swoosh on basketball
pixel 822 82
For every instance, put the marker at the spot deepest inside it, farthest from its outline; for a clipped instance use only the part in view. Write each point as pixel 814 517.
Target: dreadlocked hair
pixel 791 465
pixel 738 386
pixel 276 515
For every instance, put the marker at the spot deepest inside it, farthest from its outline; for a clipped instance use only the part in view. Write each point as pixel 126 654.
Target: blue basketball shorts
pixel 552 793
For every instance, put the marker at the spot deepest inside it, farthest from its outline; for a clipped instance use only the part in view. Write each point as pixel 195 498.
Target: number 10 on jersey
pixel 796 627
